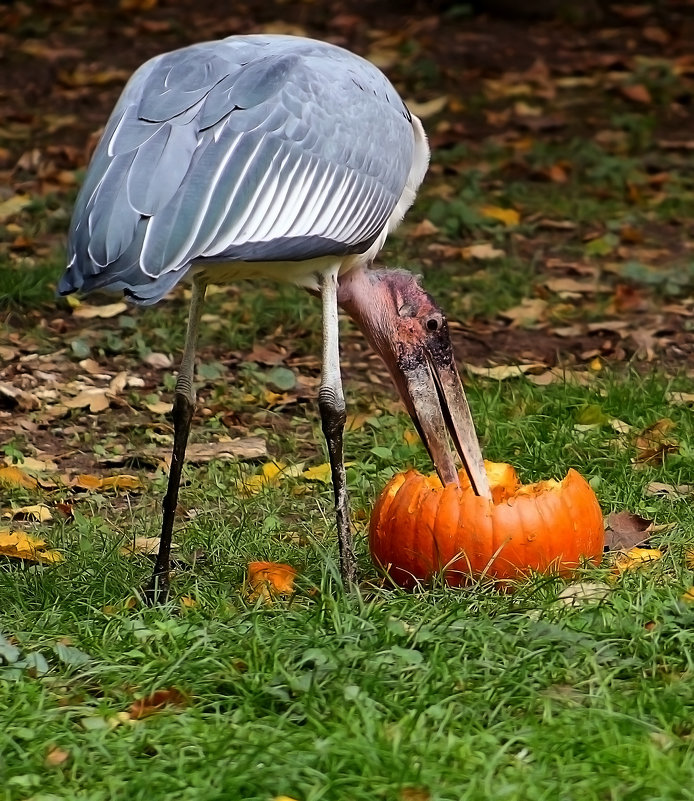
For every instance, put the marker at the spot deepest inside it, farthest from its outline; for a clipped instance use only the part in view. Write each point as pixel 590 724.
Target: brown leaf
pixel 636 92
pixel 11 396
pixel 414 794
pixel 144 707
pixel 96 399
pixel 484 251
pixel 503 371
pixel 56 756
pixel 653 444
pixel 423 228
pixel 626 530
pixel 239 448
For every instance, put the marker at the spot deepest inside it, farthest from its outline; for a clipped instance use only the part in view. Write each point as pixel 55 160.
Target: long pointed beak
pixel 435 399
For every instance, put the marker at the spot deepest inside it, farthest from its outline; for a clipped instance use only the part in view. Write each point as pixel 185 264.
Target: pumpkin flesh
pixel 420 528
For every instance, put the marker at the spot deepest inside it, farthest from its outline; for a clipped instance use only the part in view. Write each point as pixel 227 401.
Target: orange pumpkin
pixel 420 528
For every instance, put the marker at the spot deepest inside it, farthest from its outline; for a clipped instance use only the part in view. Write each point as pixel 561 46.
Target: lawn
pixel 555 229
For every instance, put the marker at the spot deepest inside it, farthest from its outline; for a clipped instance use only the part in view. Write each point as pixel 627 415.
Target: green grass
pixel 461 694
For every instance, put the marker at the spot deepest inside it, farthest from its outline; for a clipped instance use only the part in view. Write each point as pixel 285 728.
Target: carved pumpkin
pixel 420 528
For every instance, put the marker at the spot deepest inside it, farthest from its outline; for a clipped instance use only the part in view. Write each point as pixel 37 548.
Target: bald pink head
pixel 409 331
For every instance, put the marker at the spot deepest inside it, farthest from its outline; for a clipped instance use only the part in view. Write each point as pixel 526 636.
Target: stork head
pixel 410 333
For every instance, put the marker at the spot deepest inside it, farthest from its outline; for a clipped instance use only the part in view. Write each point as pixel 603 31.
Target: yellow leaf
pixel 283 798
pixel 86 312
pixel 635 558
pixel 12 206
pixel 503 371
pixel 14 477
pixel 429 107
pixel 123 482
pixel 688 596
pixel 88 482
pixel 19 545
pixel 39 512
pixel 506 216
pixel 187 602
pixel 411 437
pixel 321 472
pixel 270 475
pixel 596 365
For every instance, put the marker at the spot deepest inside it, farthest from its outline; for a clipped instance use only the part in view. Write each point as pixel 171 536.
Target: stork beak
pixel 410 333
pixel 433 394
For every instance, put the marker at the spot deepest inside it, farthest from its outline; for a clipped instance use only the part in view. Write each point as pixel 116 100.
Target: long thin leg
pixel 331 402
pixel 183 408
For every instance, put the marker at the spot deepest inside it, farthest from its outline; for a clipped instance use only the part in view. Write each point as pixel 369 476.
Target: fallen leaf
pixel 529 312
pixel 508 217
pixel 144 707
pixel 118 383
pixel 321 472
pixel 504 371
pixel 226 450
pixel 583 593
pixel 625 530
pixel 688 596
pixel 14 397
pixel 96 399
pixel 120 482
pixel 19 545
pixel 635 558
pixel 429 107
pixel 572 286
pixel 56 756
pixel 160 407
pixel 681 397
pixel 423 228
pixel 674 491
pixel 14 477
pixel 484 251
pixel 38 512
pixel 86 312
pixel 358 420
pixel 137 5
pixel 414 794
pixel 12 206
pixel 160 361
pixel 268 579
pixel 636 92
pixel 144 545
pixel 654 443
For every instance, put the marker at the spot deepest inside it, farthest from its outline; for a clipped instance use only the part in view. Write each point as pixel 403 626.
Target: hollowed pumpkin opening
pixel 420 528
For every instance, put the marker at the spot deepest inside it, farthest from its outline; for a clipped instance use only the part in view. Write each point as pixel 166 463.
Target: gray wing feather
pixel 252 148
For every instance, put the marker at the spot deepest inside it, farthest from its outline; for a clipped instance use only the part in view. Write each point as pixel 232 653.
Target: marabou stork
pixel 278 157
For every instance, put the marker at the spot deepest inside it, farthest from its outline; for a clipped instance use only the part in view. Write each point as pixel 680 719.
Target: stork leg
pixel 331 402
pixel 183 408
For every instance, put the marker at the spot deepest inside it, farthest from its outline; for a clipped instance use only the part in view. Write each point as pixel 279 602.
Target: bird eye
pixel 432 324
